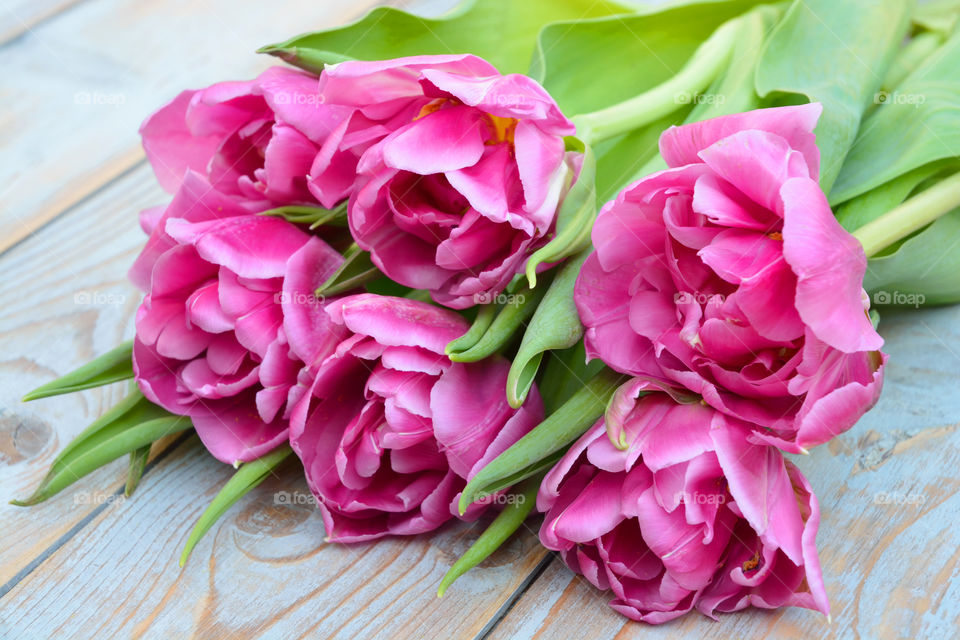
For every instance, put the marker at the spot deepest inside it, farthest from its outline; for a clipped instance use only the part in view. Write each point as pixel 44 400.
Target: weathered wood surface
pixel 77 85
pixel 90 564
pixel 889 501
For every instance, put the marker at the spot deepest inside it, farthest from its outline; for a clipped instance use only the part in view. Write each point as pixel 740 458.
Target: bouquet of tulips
pixel 601 263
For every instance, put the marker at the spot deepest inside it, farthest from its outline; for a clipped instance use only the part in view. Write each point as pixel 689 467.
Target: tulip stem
pixel 912 215
pixel 707 62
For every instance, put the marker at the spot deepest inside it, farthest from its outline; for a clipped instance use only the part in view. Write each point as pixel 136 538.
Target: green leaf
pixel 917 124
pixel 835 53
pixel 574 220
pixel 247 476
pixel 519 505
pixel 130 425
pixel 544 445
pixel 313 216
pixel 924 270
pixel 516 310
pixel 735 91
pixel 555 325
pixel 138 462
pixel 481 323
pixel 113 366
pixel 564 373
pixel 625 159
pixel 937 15
pixel 869 206
pixel 357 270
pixel 910 57
pixel 501 31
pixel 589 64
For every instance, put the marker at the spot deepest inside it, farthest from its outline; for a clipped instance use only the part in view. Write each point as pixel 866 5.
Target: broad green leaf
pixel 835 53
pixel 246 477
pixel 519 505
pixel 636 156
pixel 130 425
pixel 917 124
pixel 574 220
pixel 910 57
pixel 590 64
pixel 626 159
pixel 867 207
pixel 113 366
pixel 481 323
pixel 544 445
pixel 502 31
pixel 735 91
pixel 357 270
pixel 883 234
pixel 564 373
pixel 555 325
pixel 937 15
pixel 313 216
pixel 138 462
pixel 514 313
pixel 924 270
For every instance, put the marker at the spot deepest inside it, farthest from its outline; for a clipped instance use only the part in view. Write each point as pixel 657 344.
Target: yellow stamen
pixel 752 563
pixel 430 107
pixel 775 235
pixel 503 129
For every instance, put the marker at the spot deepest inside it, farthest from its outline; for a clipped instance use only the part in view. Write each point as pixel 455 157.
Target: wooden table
pixel 78 77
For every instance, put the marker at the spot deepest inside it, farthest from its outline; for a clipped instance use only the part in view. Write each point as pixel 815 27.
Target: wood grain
pixel 263 571
pixel 65 300
pixel 104 67
pixel 21 16
pixel 888 540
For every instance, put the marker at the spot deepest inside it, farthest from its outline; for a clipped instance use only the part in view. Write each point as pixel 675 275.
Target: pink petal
pixel 681 145
pixel 446 140
pixel 830 264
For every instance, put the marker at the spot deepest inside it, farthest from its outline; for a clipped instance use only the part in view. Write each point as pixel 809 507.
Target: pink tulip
pixel 465 184
pixel 261 140
pixel 728 274
pixel 691 515
pixel 388 429
pixel 227 295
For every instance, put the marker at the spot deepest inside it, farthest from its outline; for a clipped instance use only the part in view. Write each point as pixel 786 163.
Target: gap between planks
pixel 87 519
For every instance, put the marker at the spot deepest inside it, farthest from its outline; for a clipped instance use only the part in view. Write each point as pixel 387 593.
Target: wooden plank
pixel 63 300
pixel 107 65
pixel 888 540
pixel 263 571
pixel 20 16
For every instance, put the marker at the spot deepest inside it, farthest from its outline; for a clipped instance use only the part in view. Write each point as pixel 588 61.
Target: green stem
pixel 703 67
pixel 506 522
pixel 914 214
